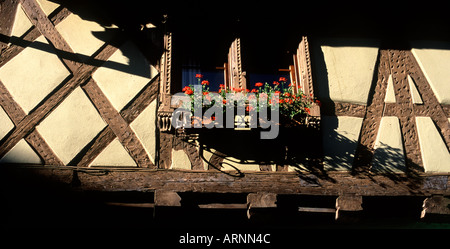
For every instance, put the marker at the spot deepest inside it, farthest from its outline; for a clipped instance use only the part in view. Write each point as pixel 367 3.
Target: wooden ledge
pixel 141 179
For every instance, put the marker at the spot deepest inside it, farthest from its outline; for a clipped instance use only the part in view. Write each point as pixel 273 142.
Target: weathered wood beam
pixel 372 118
pixel 261 201
pixel 167 198
pixel 138 179
pixel 343 109
pixel 118 124
pixel 346 205
pixel 47 28
pixel 22 42
pixel 223 206
pixel 436 205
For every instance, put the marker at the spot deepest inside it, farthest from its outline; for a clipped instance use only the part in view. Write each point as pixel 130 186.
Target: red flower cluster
pixel 187 90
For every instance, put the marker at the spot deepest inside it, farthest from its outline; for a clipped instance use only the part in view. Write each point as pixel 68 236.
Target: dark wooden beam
pixel 436 205
pixel 138 179
pixel 431 106
pixel 372 117
pixel 22 42
pixel 343 109
pixel 40 20
pixel 37 142
pixel 117 124
pixel 347 205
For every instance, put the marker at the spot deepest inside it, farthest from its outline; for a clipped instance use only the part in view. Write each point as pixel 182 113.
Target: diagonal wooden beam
pixel 374 112
pixel 27 124
pixel 31 35
pixel 37 142
pixel 40 20
pixel 129 113
pixel 431 106
pixel 118 125
pixel 404 110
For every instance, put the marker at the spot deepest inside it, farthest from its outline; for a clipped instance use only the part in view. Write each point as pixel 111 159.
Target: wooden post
pixel 167 198
pixel 260 202
pixel 167 203
pixel 435 206
pixel 346 206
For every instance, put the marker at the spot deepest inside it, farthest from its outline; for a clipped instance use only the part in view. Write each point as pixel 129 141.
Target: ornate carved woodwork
pixel 400 64
pixel 301 75
pixel 165 111
pixel 233 72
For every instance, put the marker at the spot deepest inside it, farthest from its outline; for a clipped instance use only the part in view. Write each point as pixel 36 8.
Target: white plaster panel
pixel 390 93
pixel 435 156
pixel 48 6
pixel 124 74
pixel 70 127
pixel 114 155
pixel 180 160
pixel 349 70
pixel 415 95
pixel 434 60
pixel 340 138
pixel 21 153
pixel 33 74
pixel 85 37
pixel 389 155
pixel 21 24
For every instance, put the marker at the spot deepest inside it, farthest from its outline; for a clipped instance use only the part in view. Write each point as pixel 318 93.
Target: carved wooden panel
pixel 234 74
pixel 301 74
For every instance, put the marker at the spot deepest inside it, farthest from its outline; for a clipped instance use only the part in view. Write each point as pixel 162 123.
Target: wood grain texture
pixel 334 184
pixel 405 110
pixel 374 112
pixel 40 20
pixel 118 125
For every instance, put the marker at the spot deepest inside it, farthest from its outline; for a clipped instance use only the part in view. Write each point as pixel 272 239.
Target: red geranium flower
pixel 259 84
pixel 254 91
pixel 307 110
pixel 198 76
pixel 283 79
pixel 189 91
pixel 205 82
pixel 276 83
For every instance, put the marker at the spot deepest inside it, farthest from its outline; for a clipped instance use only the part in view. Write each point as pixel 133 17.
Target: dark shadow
pixel 133 67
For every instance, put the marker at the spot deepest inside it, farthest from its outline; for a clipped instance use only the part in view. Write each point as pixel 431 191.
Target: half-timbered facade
pixel 88 104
